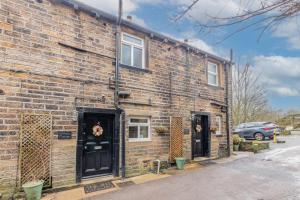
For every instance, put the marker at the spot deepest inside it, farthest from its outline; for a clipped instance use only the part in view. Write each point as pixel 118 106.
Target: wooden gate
pixel 176 138
pixel 35 148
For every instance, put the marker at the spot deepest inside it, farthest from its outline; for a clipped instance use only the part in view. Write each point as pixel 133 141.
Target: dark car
pixel 257 130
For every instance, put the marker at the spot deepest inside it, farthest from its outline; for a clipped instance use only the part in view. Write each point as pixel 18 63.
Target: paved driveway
pixel 271 175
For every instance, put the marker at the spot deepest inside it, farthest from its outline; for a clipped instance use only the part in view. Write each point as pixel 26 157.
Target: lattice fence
pixel 176 139
pixel 35 149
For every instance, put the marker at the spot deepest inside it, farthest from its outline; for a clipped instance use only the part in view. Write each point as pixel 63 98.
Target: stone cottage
pixel 86 97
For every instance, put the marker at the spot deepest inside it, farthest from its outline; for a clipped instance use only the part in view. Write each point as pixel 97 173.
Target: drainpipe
pixel 116 95
pixel 118 33
pixel 228 68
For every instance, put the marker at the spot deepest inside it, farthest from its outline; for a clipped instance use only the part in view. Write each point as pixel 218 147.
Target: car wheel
pixel 259 136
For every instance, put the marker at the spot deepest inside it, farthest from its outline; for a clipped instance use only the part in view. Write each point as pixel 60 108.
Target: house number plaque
pixel 64 135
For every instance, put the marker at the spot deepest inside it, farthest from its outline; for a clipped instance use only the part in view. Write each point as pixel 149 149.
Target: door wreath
pixel 97 130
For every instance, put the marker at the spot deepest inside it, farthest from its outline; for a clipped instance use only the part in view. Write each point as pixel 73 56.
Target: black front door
pixel 200 136
pixel 97 135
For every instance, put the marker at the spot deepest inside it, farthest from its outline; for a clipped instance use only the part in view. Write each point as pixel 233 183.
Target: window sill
pixel 140 140
pixel 215 87
pixel 135 68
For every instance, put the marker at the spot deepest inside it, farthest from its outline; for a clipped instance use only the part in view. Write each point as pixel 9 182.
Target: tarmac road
pixel 271 175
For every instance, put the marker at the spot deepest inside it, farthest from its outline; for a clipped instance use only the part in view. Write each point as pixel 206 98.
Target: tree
pixel 249 95
pixel 265 15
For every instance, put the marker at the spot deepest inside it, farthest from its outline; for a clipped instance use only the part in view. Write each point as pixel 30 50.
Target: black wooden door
pixel 200 137
pixel 97 144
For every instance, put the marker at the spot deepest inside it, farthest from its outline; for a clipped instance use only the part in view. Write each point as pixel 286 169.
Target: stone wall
pixel 54 59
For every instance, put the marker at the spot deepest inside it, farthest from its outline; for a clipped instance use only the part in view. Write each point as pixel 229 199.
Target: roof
pixel 94 12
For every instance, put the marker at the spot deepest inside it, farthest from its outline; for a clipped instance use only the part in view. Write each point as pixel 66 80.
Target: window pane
pixel 218 123
pixel 128 38
pixel 126 54
pixel 133 120
pixel 212 68
pixel 212 79
pixel 143 131
pixel 133 132
pixel 137 57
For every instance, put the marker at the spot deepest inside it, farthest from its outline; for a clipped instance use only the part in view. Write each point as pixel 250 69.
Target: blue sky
pixel 276 57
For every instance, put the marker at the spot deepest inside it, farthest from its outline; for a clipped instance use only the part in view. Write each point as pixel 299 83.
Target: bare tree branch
pixel 265 17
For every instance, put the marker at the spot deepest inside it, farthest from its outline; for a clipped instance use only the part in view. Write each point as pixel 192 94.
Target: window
pixel 139 129
pixel 132 51
pixel 212 74
pixel 219 125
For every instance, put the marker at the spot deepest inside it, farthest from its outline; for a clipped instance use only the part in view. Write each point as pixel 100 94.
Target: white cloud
pixel 285 91
pixel 200 44
pixel 289 30
pixel 279 66
pixel 280 74
pixel 204 9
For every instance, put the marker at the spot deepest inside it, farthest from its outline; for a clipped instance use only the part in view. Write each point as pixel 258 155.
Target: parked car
pixel 257 130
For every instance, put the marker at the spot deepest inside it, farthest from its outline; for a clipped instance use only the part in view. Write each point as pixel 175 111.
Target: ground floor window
pixel 219 125
pixel 139 128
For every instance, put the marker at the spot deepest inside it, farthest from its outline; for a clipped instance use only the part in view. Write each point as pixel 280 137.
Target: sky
pixel 275 56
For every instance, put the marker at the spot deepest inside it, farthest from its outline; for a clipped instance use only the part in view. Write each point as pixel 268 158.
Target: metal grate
pixel 176 140
pixel 35 148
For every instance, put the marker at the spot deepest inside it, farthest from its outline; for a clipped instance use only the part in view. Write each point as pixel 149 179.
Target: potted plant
pixel 236 142
pixel 180 161
pixel 255 147
pixel 33 189
pixel 161 130
pixel 213 129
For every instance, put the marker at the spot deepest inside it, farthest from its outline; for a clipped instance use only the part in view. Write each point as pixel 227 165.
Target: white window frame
pixel 213 73
pixel 132 45
pixel 139 125
pixel 219 128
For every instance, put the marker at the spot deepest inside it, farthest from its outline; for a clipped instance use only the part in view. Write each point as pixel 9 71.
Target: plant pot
pixel 180 161
pixel 255 148
pixel 236 147
pixel 33 190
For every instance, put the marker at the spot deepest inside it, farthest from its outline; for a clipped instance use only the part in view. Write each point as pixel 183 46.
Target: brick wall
pixel 42 72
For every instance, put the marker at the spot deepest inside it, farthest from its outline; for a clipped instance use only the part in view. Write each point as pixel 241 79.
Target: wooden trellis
pixel 35 148
pixel 176 138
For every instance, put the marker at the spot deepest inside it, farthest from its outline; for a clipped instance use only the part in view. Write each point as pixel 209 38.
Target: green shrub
pixel 236 139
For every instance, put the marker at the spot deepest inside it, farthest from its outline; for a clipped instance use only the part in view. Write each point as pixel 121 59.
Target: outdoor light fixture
pixel 2 92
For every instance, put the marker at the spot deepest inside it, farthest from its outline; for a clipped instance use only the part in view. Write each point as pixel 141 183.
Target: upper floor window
pixel 212 74
pixel 132 51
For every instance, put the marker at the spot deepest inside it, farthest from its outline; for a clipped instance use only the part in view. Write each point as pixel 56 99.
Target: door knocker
pixel 97 130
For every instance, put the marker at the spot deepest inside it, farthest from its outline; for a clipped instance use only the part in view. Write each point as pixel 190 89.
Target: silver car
pixel 257 130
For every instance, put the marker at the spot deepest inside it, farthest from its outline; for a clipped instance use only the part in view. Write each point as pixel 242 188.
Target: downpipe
pixel 116 94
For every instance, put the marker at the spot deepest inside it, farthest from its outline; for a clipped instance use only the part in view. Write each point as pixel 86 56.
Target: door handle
pixel 198 140
pixel 85 147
